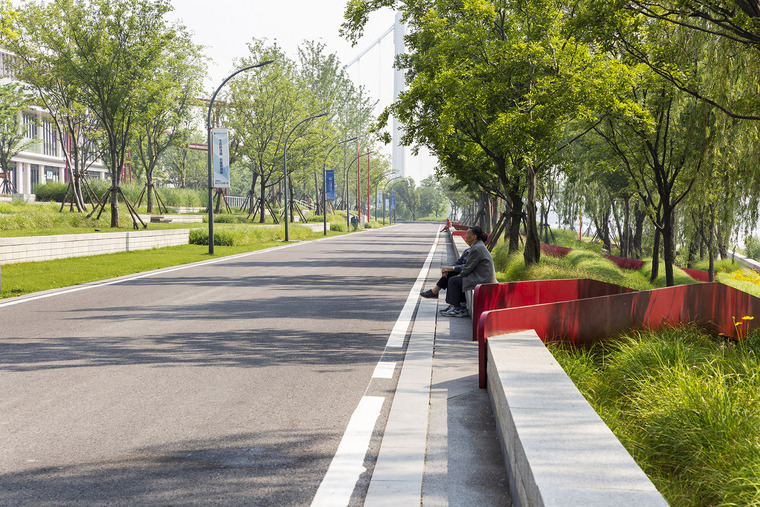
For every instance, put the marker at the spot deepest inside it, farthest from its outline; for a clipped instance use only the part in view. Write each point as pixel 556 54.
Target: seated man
pixel 446 272
pixel 478 269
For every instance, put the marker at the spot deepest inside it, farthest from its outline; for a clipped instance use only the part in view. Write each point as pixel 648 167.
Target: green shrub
pixel 752 247
pixel 241 235
pixel 225 218
pixel 722 265
pixel 52 191
pixel 338 226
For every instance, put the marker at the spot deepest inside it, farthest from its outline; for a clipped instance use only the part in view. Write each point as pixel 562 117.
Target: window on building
pixel 30 125
pixel 52 174
pixel 34 175
pixel 6 69
pixel 49 137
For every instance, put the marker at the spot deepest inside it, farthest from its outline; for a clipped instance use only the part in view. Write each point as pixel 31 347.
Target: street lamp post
pixel 394 210
pixel 384 188
pixel 210 176
pixel 348 213
pixel 324 181
pixel 285 168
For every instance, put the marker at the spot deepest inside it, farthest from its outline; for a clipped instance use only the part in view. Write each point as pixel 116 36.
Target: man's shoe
pixel 429 294
pixel 461 313
pixel 451 312
pixel 444 310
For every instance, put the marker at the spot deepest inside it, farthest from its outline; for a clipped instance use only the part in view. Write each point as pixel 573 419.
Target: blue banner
pixel 393 201
pixel 330 185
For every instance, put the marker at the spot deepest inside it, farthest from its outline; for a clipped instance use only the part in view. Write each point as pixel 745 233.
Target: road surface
pixel 229 382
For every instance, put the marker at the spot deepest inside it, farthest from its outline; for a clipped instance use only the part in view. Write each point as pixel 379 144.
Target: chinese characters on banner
pixel 220 157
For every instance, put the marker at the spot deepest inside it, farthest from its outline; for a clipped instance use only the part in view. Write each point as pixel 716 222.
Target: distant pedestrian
pixel 446 227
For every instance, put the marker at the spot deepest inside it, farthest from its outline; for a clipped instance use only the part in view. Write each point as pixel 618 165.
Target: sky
pixel 224 27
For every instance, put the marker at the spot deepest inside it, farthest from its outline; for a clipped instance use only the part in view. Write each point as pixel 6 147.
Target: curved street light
pixel 285 168
pixel 345 177
pixel 210 176
pixel 324 181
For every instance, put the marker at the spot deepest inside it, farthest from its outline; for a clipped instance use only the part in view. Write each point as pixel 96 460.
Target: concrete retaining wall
pixel 45 248
pixel 556 448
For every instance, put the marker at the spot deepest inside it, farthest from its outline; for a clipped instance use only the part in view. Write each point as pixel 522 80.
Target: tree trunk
pixel 532 254
pixel 655 255
pixel 711 247
pixel 625 242
pixel 693 249
pixel 639 217
pixel 488 213
pixel 669 243
pixel 515 217
pixel 115 205
pixel 722 243
pixel 252 193
pixel 263 200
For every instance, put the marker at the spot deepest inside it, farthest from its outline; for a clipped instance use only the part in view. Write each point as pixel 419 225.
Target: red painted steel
pixel 713 306
pixel 554 250
pixel 493 296
pixel 702 276
pixel 625 262
pixel 459 233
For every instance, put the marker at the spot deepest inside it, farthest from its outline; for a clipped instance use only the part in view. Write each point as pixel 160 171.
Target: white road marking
pixel 384 369
pixel 398 333
pixel 348 463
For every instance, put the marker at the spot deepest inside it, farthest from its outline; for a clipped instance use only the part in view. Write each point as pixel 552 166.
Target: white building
pixel 43 161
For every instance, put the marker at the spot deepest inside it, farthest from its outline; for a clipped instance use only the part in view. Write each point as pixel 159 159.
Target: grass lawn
pixel 27 277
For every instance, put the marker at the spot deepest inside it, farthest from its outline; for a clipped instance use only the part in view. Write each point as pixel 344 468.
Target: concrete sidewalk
pixel 440 445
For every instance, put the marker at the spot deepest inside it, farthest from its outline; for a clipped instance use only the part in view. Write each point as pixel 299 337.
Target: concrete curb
pixel 45 248
pixel 556 448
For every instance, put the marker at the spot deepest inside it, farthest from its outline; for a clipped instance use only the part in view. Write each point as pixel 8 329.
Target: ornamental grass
pixel 684 404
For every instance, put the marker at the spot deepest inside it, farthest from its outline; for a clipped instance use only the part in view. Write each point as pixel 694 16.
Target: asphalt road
pixel 227 383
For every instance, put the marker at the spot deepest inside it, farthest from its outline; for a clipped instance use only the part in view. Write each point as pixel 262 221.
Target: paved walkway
pixel 440 445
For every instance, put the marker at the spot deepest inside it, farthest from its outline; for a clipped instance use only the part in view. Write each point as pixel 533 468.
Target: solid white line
pixel 396 339
pixel 384 369
pixel 348 463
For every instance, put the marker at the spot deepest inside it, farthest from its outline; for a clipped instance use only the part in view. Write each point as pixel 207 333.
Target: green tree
pixel 13 100
pixel 491 85
pixel 110 52
pixel 169 118
pixel 432 200
pixel 264 106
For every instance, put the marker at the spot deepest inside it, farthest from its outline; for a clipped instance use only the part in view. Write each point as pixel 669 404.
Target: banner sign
pixel 386 205
pixel 393 201
pixel 379 201
pixel 220 157
pixel 330 185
